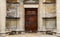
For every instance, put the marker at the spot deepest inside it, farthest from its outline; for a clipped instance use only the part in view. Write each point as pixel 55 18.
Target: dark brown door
pixel 31 19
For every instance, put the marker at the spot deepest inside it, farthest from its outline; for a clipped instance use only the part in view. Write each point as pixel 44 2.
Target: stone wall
pixel 44 10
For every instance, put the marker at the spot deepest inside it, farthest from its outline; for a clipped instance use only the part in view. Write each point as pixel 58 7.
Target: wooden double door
pixel 31 22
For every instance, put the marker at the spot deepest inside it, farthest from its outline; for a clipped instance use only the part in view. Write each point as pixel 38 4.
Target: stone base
pixel 58 34
pixel 15 32
pixel 42 32
pixel 2 34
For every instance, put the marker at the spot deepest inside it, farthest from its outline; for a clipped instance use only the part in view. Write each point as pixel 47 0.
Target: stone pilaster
pixel 21 20
pixel 2 17
pixel 58 16
pixel 40 15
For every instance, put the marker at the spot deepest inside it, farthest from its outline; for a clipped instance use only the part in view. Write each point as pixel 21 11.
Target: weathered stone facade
pixel 44 11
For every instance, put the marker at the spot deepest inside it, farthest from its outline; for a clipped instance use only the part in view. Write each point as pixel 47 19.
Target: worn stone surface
pixel 31 35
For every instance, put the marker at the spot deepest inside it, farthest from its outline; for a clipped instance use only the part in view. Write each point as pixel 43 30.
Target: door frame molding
pixel 31 6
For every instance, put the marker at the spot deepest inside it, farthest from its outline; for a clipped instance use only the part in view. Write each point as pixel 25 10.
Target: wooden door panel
pixel 33 27
pixel 27 27
pixel 30 12
pixel 31 20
